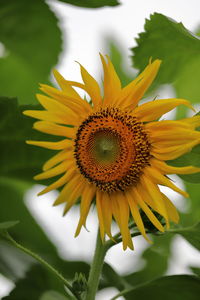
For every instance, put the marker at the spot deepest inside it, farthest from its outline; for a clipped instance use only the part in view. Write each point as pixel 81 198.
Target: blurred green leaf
pixel 32 286
pixel 52 295
pixel 92 3
pixel 18 159
pixel 193 215
pixel 187 81
pixel 30 234
pixel 193 178
pixel 13 263
pixel 171 42
pixel 177 287
pixel 110 278
pixel 8 224
pixel 195 270
pixel 13 207
pixel 32 39
pixel 156 261
pixel 191 234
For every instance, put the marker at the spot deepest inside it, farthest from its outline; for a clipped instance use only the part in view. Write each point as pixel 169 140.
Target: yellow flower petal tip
pixel 112 152
pixel 25 112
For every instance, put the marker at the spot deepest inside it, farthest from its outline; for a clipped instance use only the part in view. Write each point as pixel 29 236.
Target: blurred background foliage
pixel 30 45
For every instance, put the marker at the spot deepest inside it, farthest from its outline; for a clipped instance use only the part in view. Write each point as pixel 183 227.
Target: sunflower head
pixel 114 151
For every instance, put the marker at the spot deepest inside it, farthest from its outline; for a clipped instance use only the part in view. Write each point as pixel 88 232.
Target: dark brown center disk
pixel 111 149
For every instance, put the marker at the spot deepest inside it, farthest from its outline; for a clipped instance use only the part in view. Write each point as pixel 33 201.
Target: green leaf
pixel 110 278
pixel 92 3
pixel 18 159
pixel 177 287
pixel 187 81
pixel 193 216
pixel 33 286
pixel 32 40
pixel 13 263
pixel 156 261
pixel 191 234
pixel 8 224
pixel 169 41
pixel 53 295
pixel 27 231
pixel 195 270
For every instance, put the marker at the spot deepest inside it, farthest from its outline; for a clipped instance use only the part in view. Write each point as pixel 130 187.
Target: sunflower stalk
pixel 60 277
pixel 98 260
pixel 96 267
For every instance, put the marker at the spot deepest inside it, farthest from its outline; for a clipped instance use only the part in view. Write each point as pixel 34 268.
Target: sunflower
pixel 112 151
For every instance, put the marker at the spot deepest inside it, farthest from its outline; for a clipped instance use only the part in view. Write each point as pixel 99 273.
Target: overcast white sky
pixel 84 31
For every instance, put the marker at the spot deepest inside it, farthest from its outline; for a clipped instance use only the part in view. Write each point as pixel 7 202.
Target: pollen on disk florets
pixel 111 149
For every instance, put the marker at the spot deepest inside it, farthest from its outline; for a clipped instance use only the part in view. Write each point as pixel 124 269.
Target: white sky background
pixel 83 32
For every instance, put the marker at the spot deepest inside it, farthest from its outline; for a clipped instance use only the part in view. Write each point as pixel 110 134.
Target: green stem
pixel 43 262
pixel 96 268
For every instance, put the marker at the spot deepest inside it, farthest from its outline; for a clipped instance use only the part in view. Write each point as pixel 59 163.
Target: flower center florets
pixel 111 149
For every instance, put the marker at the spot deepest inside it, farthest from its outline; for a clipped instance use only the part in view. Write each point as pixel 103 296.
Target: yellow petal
pixel 151 111
pixel 165 144
pixel 61 181
pixel 166 125
pixel 174 134
pixel 68 189
pixel 112 84
pixel 146 197
pixel 107 213
pixel 60 96
pixel 117 216
pixel 156 196
pixel 158 178
pixel 115 209
pixel 54 106
pixel 169 153
pixel 87 197
pixel 61 168
pixel 136 214
pixel 63 155
pixel 165 169
pixel 65 86
pixel 74 196
pixel 77 84
pixel 146 210
pixel 124 220
pixel 54 129
pixel 56 117
pixel 91 87
pixel 64 144
pixel 171 209
pixel 193 121
pixel 100 214
pixel 135 90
